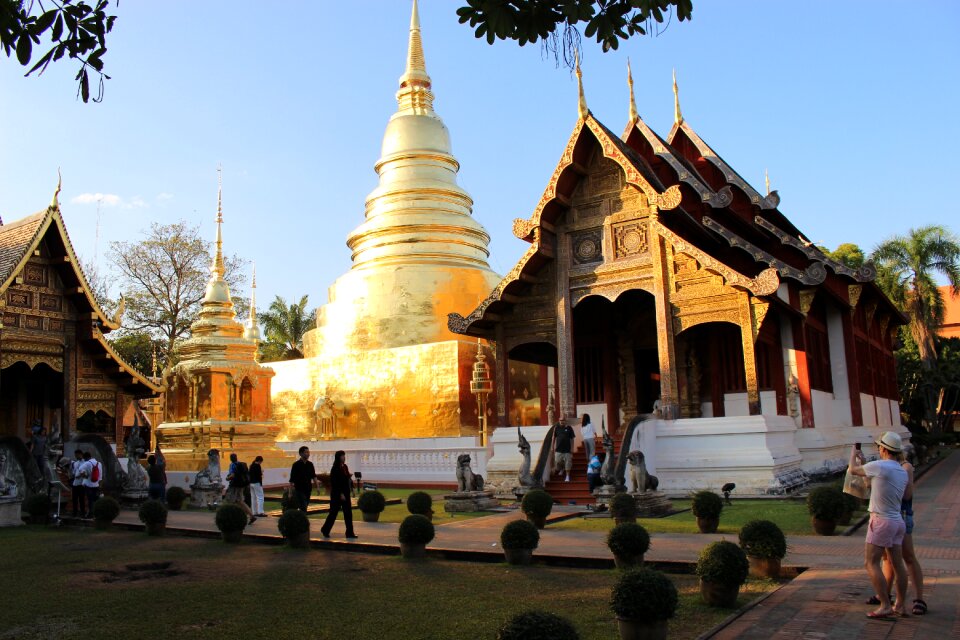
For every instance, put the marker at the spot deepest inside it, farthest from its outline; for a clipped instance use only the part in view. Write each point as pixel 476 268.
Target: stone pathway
pixel 825 601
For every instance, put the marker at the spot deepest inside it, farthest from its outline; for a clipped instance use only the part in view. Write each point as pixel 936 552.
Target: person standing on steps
pixel 303 477
pixel 888 481
pixel 256 487
pixel 563 438
pixel 341 486
pixel 589 435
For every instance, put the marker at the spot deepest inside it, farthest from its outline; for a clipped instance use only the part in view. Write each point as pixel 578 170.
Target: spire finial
pixel 54 203
pixel 766 177
pixel 252 331
pixel 634 116
pixel 582 104
pixel 677 116
pixel 154 364
pixel 217 268
pixel 415 84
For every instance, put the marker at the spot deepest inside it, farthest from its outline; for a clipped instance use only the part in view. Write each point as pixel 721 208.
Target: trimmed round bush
pixel 723 563
pixel 537 625
pixel 519 534
pixel 371 502
pixel 628 539
pixel 106 509
pixel 623 506
pixel 420 502
pixel 415 529
pixel 706 504
pixel 38 506
pixel 230 518
pixel 176 497
pixel 851 503
pixel 537 503
pixel 826 503
pixel 763 539
pixel 288 500
pixel 644 594
pixel 153 512
pixel 293 523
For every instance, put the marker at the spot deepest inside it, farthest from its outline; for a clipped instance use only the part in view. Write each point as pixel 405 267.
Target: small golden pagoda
pixel 218 395
pixel 381 361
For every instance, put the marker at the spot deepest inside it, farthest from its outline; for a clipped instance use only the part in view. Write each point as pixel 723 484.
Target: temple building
pixel 659 282
pixel 381 362
pixel 57 368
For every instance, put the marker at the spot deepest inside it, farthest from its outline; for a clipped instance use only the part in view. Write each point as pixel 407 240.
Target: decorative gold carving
pixel 35 274
pixel 669 199
pixel 11 320
pixel 806 300
pixel 758 312
pixel 610 291
pixel 51 302
pixel 34 323
pixel 884 321
pixel 17 298
pixel 8 359
pixel 870 309
pixel 630 239
pixel 866 273
pixel 56 325
pixel 587 247
pixel 684 319
pixel 853 294
pixel 522 228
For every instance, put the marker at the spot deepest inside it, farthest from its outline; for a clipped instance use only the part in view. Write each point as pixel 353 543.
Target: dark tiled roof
pixel 15 239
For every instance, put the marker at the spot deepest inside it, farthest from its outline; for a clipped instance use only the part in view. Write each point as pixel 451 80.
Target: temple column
pixel 749 355
pixel 567 391
pixel 662 256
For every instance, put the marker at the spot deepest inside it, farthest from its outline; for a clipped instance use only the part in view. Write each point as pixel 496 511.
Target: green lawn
pixel 790 515
pixel 213 590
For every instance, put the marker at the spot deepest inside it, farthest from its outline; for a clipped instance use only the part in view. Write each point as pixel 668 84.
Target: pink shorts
pixel 885 533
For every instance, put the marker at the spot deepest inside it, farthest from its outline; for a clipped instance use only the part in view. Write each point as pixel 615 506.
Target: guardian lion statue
pixel 210 477
pixel 642 481
pixel 467 480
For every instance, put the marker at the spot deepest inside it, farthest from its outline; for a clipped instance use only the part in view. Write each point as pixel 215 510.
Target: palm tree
pixel 907 266
pixel 284 326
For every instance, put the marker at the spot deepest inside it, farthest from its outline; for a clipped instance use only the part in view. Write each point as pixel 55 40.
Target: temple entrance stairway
pixel 576 491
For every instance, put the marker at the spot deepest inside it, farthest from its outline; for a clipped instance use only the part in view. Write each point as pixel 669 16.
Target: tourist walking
pixel 77 492
pixel 302 478
pixel 91 471
pixel 238 477
pixel 888 481
pixel 563 437
pixel 157 489
pixel 256 487
pixel 341 486
pixel 589 435
pixel 593 470
pixel 38 447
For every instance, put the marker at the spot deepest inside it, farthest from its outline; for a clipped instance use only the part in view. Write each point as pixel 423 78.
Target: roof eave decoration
pixel 866 273
pixel 813 274
pixel 53 216
pixel 127 367
pixel 765 284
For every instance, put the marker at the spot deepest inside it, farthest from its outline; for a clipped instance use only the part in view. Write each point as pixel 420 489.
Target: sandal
pixel 919 607
pixel 882 615
pixel 874 600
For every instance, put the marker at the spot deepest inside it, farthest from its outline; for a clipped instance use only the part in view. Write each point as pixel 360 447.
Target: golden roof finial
pixel 154 364
pixel 677 116
pixel 582 103
pixel 415 83
pixel 766 177
pixel 252 330
pixel 217 268
pixel 54 203
pixel 634 116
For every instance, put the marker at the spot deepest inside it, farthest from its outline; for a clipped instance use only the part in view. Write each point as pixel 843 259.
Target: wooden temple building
pixel 658 281
pixel 57 369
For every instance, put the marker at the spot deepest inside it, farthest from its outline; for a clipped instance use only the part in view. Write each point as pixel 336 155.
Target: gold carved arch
pixel 611 292
pixel 32 361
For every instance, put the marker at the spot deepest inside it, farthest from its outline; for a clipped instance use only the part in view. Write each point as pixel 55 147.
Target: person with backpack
pixel 77 492
pixel 91 470
pixel 238 477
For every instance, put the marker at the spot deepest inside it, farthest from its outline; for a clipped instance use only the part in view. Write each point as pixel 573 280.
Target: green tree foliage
pixel 163 278
pixel 283 327
pixel 77 30
pixel 848 254
pixel 138 348
pixel 555 23
pixel 928 397
pixel 908 266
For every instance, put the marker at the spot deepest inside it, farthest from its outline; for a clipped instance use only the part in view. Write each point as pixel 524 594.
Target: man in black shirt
pixel 256 487
pixel 563 437
pixel 302 478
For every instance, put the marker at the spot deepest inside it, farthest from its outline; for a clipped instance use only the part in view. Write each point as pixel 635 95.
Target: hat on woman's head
pixel 891 442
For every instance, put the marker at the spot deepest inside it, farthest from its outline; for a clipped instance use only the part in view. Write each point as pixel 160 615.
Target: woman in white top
pixel 589 435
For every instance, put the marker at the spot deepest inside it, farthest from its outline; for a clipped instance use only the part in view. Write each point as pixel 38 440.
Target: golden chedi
pixel 381 361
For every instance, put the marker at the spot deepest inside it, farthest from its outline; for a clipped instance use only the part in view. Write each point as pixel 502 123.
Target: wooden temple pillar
pixel 803 367
pixel 567 390
pixel 749 355
pixel 666 350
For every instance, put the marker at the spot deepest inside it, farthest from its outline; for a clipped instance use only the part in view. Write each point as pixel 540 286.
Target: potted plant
pixel 231 520
pixel 537 505
pixel 415 532
pixel 295 528
pixel 153 514
pixel 825 505
pixel 175 498
pixel 537 625
pixel 420 503
pixel 850 506
pixel 519 538
pixel 706 508
pixel 765 546
pixel 371 504
pixel 623 508
pixel 37 507
pixel 628 542
pixel 722 568
pixel 105 511
pixel 643 600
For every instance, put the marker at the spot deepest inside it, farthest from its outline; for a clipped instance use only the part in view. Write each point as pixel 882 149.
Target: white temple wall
pixel 868 409
pixel 842 413
pixel 768 403
pixel 884 417
pixel 736 404
pixel 823 406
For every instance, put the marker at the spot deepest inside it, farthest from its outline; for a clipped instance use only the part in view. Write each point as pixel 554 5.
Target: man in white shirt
pixel 76 490
pixel 888 480
pixel 92 471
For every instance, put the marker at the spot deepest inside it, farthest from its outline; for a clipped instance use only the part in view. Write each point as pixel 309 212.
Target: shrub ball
pixel 153 512
pixel 826 503
pixel 519 534
pixel 293 523
pixel 763 539
pixel 371 502
pixel 230 518
pixel 106 509
pixel 623 505
pixel 175 497
pixel 537 625
pixel 707 504
pixel 628 539
pixel 723 563
pixel 420 502
pixel 537 503
pixel 415 529
pixel 644 594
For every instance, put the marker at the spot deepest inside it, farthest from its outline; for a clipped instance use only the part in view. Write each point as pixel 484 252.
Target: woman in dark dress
pixel 340 486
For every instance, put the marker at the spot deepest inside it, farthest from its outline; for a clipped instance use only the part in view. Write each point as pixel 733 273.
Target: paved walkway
pixel 825 601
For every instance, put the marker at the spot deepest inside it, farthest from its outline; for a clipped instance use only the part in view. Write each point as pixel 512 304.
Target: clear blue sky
pixel 850 105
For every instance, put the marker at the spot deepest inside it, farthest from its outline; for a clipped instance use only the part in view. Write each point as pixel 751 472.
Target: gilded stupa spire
pixel 582 109
pixel 414 94
pixel 634 116
pixel 217 268
pixel 677 116
pixel 252 330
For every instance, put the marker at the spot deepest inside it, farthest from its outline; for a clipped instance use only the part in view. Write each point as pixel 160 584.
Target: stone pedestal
pixel 466 501
pixel 652 504
pixel 605 493
pixel 135 496
pixel 205 496
pixel 10 512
